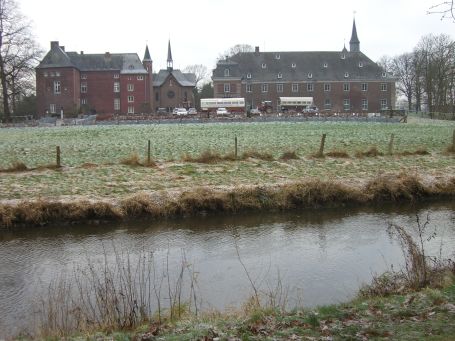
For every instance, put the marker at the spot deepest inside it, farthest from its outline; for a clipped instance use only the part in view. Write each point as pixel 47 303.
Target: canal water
pixel 318 256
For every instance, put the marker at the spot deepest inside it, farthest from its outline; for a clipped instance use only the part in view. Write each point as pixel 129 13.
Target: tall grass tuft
pixel 132 160
pixel 254 154
pixel 289 155
pixel 16 166
pixel 118 294
pixel 372 152
pixel 337 153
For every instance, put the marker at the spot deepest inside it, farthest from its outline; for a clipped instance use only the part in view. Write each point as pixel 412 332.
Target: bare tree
pixel 403 69
pixel 18 55
pixel 445 9
pixel 199 70
pixel 238 48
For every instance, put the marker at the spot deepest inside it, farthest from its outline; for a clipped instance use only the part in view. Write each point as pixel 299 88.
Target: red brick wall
pixel 68 99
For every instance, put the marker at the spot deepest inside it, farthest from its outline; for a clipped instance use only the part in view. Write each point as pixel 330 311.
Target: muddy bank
pixel 306 194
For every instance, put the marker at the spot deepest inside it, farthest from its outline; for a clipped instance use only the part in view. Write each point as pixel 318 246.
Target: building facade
pixel 173 88
pixel 338 81
pixel 69 83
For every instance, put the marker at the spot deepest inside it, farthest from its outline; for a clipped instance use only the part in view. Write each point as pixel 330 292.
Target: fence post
pixel 235 147
pixel 321 147
pixel 148 153
pixel 392 136
pixel 58 157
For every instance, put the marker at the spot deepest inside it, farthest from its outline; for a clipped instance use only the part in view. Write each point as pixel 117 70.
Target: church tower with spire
pixel 148 64
pixel 354 43
pixel 170 63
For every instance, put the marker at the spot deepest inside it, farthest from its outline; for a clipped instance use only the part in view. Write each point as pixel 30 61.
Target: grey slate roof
pixel 308 62
pixel 184 79
pixel 125 63
pixel 147 57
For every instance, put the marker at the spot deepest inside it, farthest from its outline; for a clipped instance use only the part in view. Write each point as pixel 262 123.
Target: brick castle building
pixel 338 81
pixel 114 83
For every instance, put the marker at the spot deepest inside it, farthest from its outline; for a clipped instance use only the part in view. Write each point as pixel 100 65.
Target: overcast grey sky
pixel 200 30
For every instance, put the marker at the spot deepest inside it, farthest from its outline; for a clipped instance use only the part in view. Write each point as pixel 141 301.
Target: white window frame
pixel 57 87
pixel 226 72
pixel 248 75
pixel 130 87
pixel 249 88
pixel 83 76
pixel 227 87
pixel 277 56
pixel 83 101
pixel 279 75
pixel 343 56
pixel 52 108
pixel 325 65
pixel 364 104
pixel 310 75
pixel 116 86
pixel 360 64
pixel 264 65
pixel 264 87
pixel 346 104
pixel 116 104
pixel 383 103
pixel 295 87
pixel 130 99
pixel 383 86
pixel 384 74
pixel 130 109
pixel 140 78
pixel 327 87
pixel 310 87
pixel 346 75
pixel 279 87
pixel 116 75
pixel 83 87
pixel 346 87
pixel 293 65
pixel 364 87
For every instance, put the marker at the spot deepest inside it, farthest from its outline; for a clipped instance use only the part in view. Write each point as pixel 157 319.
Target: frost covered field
pixel 109 144
pixel 91 156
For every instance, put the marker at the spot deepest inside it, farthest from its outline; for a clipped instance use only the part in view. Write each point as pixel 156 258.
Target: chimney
pixel 54 44
pixel 107 57
pixel 256 50
pixel 82 52
pixel 63 48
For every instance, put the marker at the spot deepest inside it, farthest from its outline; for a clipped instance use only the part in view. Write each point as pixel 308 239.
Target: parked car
pixel 192 111
pixel 161 111
pixel 255 112
pixel 222 111
pixel 180 111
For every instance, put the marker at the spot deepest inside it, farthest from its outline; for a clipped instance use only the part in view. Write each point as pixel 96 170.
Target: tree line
pixel 426 76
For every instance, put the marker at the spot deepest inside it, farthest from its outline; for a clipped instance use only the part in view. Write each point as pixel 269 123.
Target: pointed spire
pixel 169 56
pixel 147 57
pixel 354 43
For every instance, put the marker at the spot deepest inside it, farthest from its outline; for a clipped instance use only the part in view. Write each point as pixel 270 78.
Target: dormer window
pixel 277 56
pixel 384 75
pixel 226 72
pixel 346 74
pixel 310 75
pixel 325 65
pixel 293 65
pixel 343 56
pixel 280 75
pixel 131 67
pixel 248 75
pixel 264 65
pixel 360 64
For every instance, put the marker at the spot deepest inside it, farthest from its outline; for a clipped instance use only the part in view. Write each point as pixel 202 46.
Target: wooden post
pixel 392 136
pixel 58 157
pixel 321 147
pixel 148 153
pixel 235 147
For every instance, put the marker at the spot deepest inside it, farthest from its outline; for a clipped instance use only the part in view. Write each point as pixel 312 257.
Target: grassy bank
pixel 425 315
pixel 201 200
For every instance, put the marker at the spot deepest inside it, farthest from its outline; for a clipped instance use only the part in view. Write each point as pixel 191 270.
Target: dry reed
pixel 16 166
pixel 289 155
pixel 372 152
pixel 307 194
pixel 337 153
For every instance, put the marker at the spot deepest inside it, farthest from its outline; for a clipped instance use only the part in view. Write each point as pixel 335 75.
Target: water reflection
pixel 323 255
